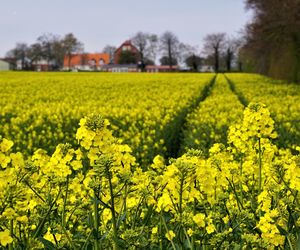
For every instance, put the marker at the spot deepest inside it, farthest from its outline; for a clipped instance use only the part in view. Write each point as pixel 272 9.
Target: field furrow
pixel 209 122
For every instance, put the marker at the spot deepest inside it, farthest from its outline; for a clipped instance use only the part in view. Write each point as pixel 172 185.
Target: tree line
pixel 219 50
pixel 270 45
pixel 272 39
pixel 49 47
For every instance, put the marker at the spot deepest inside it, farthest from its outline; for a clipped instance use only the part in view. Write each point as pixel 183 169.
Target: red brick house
pixel 43 65
pixel 86 62
pixel 127 46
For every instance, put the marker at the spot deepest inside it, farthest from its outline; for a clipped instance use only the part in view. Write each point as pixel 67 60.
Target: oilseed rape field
pixel 148 161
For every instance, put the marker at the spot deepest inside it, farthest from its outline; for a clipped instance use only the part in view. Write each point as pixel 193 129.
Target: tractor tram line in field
pixel 209 122
pixel 177 135
pixel 239 95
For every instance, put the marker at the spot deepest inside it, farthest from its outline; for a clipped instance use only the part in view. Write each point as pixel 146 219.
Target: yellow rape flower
pixel 4 160
pixel 154 230
pixel 199 219
pixel 22 219
pixel 5 145
pixel 170 235
pixel 190 232
pixel 5 238
pixel 210 228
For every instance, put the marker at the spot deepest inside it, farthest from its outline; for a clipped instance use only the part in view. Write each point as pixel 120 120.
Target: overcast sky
pixel 97 23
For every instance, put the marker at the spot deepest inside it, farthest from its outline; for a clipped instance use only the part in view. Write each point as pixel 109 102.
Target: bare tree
pixel 20 52
pixel 46 42
pixel 71 45
pixel 110 50
pixel 147 45
pixel 213 45
pixel 166 61
pixel 140 40
pixel 232 46
pixel 190 56
pixel 170 47
pixel 193 61
pixel 35 52
pixel 153 47
pixel 273 38
pixel 58 53
pixel 52 49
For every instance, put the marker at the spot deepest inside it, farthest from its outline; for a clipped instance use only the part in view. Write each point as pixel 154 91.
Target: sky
pixel 97 23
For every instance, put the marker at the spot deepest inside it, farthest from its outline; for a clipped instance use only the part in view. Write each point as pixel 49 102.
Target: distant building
pixel 161 68
pixel 120 68
pixel 207 68
pixel 4 66
pixel 127 46
pixel 11 61
pixel 43 65
pixel 86 62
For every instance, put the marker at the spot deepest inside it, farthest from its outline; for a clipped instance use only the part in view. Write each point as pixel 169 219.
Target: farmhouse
pixel 161 68
pixel 207 68
pixel 126 53
pixel 43 65
pixel 126 58
pixel 118 68
pixel 86 62
pixel 4 65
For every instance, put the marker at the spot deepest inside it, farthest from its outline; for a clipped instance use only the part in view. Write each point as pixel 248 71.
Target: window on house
pixel 92 62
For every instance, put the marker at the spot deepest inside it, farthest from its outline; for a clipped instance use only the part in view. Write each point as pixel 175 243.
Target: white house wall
pixel 4 66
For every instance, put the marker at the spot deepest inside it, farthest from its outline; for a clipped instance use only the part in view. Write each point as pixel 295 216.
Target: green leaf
pixel 47 244
pixel 282 230
pixel 298 241
pixel 237 247
pixel 120 243
pixel 121 219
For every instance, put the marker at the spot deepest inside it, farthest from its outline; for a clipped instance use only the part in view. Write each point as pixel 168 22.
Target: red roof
pixel 84 59
pixel 128 44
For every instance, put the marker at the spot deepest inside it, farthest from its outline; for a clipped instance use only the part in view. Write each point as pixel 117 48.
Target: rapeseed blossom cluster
pixel 281 99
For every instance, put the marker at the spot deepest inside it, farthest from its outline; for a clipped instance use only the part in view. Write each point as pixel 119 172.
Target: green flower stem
pixel 124 205
pixel 259 166
pixel 68 238
pixel 194 213
pixel 43 221
pixel 87 240
pixel 180 198
pixel 35 192
pixel 11 246
pixel 113 211
pixel 160 231
pixel 188 239
pixel 167 230
pixel 241 182
pixel 290 243
pixel 238 201
pixel 63 217
pixel 96 220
